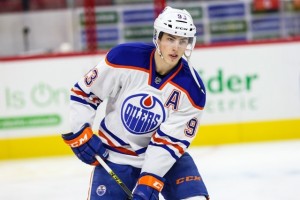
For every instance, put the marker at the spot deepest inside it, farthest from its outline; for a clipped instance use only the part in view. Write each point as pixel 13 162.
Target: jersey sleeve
pixel 173 138
pixel 86 95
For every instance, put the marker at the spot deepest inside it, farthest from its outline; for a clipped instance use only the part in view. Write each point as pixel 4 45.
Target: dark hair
pixel 160 35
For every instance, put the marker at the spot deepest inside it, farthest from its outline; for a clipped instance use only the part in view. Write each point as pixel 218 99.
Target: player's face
pixel 172 48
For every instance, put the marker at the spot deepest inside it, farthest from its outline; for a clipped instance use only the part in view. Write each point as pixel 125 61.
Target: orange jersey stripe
pixel 171 77
pixel 125 66
pixel 78 92
pixel 150 67
pixel 159 140
pixel 120 149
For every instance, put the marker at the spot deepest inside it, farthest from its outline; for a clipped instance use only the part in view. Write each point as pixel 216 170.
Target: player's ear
pixel 158 42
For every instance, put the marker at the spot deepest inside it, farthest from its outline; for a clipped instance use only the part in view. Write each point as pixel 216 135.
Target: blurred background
pixel 43 26
pixel 247 53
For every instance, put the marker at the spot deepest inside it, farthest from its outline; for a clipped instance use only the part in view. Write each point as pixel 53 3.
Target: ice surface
pixel 256 171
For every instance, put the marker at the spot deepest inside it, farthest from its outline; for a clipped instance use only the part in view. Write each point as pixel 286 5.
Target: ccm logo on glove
pixel 152 182
pixel 81 139
pixel 158 185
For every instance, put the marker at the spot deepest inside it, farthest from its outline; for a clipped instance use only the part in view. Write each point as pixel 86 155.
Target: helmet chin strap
pixel 158 50
pixel 192 70
pixel 188 56
pixel 160 54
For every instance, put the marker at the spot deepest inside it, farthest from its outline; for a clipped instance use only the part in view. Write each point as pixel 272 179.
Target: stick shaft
pixel 114 176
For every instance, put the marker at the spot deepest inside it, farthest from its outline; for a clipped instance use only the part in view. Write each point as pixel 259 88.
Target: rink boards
pixel 253 94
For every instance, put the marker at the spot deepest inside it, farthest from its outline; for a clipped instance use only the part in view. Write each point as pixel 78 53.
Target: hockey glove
pixel 148 187
pixel 86 145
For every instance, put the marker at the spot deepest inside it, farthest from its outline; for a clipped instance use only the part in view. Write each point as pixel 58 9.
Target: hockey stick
pixel 114 176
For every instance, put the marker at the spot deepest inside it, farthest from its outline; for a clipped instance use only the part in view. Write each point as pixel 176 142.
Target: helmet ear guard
pixel 190 47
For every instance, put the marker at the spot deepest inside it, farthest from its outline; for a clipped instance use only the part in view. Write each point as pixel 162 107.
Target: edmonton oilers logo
pixel 142 113
pixel 101 189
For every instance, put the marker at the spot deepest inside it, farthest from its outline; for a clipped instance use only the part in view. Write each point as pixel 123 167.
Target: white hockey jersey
pixel 150 120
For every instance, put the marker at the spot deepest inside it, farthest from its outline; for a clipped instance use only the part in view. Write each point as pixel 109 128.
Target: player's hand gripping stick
pixel 86 145
pixel 148 188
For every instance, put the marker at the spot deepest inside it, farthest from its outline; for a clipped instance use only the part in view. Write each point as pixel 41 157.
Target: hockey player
pixel 155 102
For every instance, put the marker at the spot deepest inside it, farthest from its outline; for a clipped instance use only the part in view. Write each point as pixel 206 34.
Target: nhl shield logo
pixel 142 113
pixel 157 80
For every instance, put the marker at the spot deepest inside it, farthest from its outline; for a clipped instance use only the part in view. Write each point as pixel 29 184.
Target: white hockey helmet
pixel 175 22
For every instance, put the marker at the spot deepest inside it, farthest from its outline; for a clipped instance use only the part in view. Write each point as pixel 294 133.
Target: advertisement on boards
pixel 138 16
pixel 259 84
pixel 228 10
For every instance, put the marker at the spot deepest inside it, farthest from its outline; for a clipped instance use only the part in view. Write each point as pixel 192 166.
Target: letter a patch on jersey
pixel 173 100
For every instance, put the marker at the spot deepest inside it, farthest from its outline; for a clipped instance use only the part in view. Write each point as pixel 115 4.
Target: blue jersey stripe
pixel 83 101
